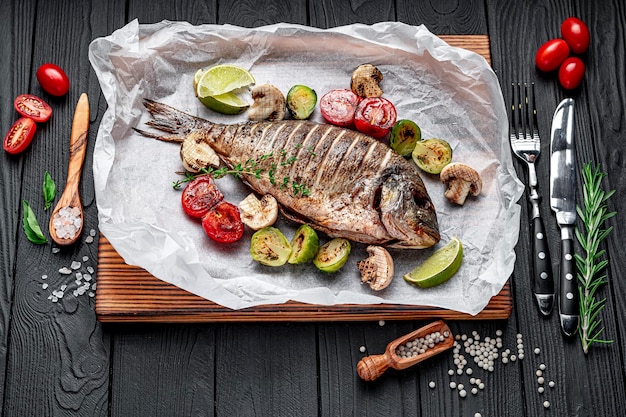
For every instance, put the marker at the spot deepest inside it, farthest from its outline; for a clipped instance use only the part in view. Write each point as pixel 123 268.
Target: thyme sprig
pixel 592 264
pixel 251 167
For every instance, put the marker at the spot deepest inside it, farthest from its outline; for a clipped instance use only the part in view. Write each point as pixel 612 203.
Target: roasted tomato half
pixel 32 106
pixel 375 116
pixel 338 106
pixel 20 135
pixel 200 196
pixel 223 223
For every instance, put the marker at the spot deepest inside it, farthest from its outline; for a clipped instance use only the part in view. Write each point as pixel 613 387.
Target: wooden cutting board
pixel 131 294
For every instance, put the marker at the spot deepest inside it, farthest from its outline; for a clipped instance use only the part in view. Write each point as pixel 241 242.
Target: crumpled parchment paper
pixel 451 93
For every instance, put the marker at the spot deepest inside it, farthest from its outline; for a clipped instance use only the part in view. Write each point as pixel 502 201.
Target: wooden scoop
pixel 371 367
pixel 71 197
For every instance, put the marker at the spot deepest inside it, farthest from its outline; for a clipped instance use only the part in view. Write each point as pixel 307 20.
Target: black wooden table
pixel 57 359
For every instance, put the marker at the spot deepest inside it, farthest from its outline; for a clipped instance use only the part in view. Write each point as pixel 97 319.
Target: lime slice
pixel 221 79
pixel 227 103
pixel 196 79
pixel 439 267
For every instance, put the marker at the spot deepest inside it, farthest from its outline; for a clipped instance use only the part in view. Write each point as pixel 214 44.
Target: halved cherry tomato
pixel 338 106
pixel 576 34
pixel 53 79
pixel 375 116
pixel 32 106
pixel 200 196
pixel 571 73
pixel 223 223
pixel 20 135
pixel 551 55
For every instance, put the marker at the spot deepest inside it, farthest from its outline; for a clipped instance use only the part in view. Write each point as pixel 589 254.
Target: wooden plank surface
pixel 130 294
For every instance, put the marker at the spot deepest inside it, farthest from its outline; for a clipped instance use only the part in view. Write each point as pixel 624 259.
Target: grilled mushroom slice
pixel 196 154
pixel 365 81
pixel 257 214
pixel 269 103
pixel 461 180
pixel 377 269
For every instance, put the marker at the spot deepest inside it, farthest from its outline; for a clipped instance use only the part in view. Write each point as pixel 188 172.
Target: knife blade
pixel 563 203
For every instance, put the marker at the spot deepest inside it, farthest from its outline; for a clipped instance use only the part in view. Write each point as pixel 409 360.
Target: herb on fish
pixel 49 190
pixel 250 167
pixel 591 265
pixel 31 226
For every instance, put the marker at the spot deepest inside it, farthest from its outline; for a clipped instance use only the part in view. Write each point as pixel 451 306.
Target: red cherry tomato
pixel 53 79
pixel 200 195
pixel 31 106
pixel 576 34
pixel 338 106
pixel 571 73
pixel 375 116
pixel 551 55
pixel 223 223
pixel 20 135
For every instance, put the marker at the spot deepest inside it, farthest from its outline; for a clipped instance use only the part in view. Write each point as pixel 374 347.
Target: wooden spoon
pixel 371 367
pixel 71 197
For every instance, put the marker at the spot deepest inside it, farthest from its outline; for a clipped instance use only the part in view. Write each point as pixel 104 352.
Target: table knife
pixel 563 203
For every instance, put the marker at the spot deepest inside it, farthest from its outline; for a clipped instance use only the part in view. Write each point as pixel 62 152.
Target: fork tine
pixel 534 110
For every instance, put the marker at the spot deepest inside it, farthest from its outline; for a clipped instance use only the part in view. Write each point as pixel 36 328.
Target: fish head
pixel 408 213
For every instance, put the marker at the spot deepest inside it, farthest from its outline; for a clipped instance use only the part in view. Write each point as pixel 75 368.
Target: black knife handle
pixel 569 297
pixel 543 281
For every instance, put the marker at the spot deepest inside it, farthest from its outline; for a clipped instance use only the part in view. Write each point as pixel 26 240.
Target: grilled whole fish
pixel 357 188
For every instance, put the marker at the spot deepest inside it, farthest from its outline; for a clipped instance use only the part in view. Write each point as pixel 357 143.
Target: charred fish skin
pixel 357 187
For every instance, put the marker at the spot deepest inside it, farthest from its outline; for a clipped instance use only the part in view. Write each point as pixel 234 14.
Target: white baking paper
pixel 451 93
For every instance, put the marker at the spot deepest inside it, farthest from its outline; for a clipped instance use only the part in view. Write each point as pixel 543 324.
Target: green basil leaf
pixel 49 190
pixel 31 226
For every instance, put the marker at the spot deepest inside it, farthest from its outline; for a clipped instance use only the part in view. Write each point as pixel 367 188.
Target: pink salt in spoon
pixel 66 222
pixel 371 367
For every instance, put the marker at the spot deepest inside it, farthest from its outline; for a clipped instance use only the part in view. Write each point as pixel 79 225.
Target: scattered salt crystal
pixel 90 269
pixel 75 265
pixel 44 286
pixel 381 323
pixel 87 277
pixel 85 258
pixel 93 286
pixel 92 294
pixel 44 276
pixel 65 271
pixel 56 250
pixel 63 287
pixel 362 349
pixel 92 232
pixel 89 239
pixel 75 293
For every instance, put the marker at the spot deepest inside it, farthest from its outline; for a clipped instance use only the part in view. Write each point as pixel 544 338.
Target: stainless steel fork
pixel 526 144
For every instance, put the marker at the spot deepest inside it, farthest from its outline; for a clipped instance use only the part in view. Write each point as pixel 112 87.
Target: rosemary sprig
pixel 251 167
pixel 591 265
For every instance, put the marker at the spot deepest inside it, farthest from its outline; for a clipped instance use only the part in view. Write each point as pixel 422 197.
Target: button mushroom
pixel 461 180
pixel 377 269
pixel 269 103
pixel 257 214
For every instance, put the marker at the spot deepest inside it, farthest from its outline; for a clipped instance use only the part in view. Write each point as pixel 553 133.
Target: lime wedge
pixel 439 267
pixel 196 79
pixel 221 79
pixel 227 103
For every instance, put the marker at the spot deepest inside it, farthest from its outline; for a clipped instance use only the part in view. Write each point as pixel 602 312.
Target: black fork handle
pixel 543 282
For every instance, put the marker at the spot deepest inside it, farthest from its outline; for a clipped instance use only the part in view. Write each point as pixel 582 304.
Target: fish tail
pixel 170 120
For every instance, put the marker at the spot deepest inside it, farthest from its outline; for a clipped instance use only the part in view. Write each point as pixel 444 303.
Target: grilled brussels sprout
pixel 304 245
pixel 301 101
pixel 404 135
pixel 269 246
pixel 332 255
pixel 431 155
